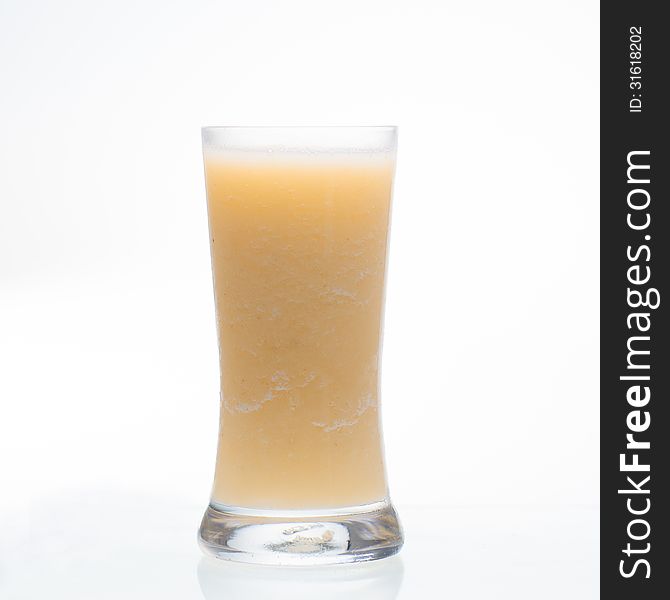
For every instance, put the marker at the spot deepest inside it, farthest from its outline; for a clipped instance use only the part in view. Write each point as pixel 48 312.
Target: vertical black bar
pixel 635 238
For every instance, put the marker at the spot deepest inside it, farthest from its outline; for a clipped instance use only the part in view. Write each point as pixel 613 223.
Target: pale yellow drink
pixel 299 252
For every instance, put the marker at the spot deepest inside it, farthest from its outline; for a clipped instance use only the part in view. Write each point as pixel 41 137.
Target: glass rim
pixel 299 140
pixel 302 127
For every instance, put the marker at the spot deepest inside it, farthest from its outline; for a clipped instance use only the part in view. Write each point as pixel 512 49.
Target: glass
pixel 298 222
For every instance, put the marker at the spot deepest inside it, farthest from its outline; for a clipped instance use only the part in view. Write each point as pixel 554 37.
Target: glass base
pixel 343 535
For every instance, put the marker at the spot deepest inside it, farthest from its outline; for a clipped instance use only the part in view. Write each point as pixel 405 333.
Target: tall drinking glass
pixel 298 222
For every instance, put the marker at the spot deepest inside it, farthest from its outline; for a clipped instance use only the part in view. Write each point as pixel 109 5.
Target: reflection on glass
pixel 379 580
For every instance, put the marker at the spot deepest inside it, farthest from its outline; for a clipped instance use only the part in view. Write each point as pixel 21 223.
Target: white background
pixel 108 361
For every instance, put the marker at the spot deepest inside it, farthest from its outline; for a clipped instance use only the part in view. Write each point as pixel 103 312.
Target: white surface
pixel 108 367
pixel 111 546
